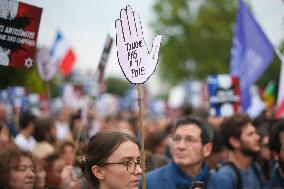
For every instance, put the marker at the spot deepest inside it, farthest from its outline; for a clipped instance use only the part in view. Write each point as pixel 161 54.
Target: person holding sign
pixel 112 161
pixel 136 61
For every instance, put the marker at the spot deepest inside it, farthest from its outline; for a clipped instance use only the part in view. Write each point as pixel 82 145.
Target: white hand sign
pixel 136 62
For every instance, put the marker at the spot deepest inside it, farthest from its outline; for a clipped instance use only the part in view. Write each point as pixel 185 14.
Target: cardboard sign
pixel 19 23
pixel 224 95
pixel 136 62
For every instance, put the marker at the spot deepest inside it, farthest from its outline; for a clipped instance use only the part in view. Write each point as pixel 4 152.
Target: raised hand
pixel 136 62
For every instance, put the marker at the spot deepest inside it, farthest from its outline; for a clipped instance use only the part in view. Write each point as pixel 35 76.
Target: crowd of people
pixel 72 149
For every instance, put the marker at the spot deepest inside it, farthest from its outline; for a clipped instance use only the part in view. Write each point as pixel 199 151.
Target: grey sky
pixel 86 23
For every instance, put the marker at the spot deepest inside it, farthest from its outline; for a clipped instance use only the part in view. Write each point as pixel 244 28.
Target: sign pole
pixel 136 61
pixel 142 134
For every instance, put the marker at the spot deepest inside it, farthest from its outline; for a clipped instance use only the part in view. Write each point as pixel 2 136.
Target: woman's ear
pixel 98 172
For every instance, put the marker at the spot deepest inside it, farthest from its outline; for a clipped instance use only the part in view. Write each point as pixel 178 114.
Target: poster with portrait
pixel 224 94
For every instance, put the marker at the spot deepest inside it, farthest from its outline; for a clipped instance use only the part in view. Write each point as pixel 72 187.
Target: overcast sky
pixel 86 23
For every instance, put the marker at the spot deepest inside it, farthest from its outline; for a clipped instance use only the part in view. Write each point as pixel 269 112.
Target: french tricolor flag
pixel 62 54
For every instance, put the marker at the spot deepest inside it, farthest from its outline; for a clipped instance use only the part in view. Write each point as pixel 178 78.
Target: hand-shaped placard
pixel 136 62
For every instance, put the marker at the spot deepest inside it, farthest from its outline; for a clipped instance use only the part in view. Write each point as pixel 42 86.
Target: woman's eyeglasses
pixel 131 165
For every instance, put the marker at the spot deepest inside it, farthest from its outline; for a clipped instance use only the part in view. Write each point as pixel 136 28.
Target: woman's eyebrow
pixel 130 158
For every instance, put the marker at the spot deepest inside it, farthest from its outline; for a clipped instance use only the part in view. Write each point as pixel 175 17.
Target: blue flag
pixel 252 52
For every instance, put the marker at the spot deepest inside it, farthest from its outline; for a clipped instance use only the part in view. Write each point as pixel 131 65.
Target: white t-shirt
pixel 63 130
pixel 24 143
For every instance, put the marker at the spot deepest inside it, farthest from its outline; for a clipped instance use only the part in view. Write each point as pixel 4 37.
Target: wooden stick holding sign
pixel 46 69
pixel 136 61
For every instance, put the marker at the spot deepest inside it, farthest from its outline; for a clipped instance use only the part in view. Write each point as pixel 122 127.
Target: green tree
pixel 30 79
pixel 116 86
pixel 10 76
pixel 198 36
pixel 198 39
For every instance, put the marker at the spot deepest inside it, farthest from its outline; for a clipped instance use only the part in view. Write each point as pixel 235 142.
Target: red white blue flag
pixel 62 54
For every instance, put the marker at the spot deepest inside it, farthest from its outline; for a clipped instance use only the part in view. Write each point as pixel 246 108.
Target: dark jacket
pixel 276 182
pixel 171 176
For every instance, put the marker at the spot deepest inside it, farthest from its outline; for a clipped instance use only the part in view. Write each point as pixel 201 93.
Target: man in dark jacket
pixel 191 144
pixel 276 145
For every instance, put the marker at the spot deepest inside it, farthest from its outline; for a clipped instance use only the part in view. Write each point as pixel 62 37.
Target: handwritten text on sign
pixel 136 62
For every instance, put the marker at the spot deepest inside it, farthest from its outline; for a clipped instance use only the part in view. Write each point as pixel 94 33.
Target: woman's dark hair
pixel 274 138
pixel 153 140
pixel 99 148
pixel 42 127
pixel 74 118
pixel 25 119
pixel 10 159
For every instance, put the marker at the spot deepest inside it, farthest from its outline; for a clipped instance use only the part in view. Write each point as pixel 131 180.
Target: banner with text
pixel 19 24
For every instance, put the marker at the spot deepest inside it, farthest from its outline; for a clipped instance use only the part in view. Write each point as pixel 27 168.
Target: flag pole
pixel 281 58
pixel 142 134
pixel 48 93
pixel 278 54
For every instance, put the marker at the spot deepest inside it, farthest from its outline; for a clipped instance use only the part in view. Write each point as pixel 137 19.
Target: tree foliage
pixel 116 86
pixel 198 38
pixel 30 79
pixel 20 77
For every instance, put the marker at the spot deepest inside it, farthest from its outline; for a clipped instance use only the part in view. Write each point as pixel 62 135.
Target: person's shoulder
pixel 226 169
pixel 160 178
pixel 274 183
pixel 158 172
pixel 219 181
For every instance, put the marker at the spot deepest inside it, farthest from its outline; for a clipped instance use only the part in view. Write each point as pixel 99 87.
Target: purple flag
pixel 252 52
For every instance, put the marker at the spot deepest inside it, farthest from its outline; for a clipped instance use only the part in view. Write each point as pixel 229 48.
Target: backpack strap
pixel 237 172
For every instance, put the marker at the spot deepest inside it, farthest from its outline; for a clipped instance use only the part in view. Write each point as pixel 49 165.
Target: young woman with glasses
pixel 112 161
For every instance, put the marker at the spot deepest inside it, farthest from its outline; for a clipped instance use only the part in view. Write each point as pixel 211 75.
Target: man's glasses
pixel 188 139
pixel 131 165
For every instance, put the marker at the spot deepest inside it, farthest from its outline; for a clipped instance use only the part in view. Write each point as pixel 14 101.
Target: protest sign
pixel 19 23
pixel 136 62
pixel 224 95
